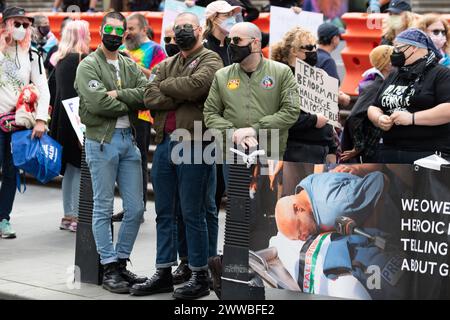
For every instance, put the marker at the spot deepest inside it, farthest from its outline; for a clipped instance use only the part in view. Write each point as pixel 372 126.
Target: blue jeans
pixel 118 161
pixel 71 190
pixel 180 187
pixel 212 222
pixel 8 187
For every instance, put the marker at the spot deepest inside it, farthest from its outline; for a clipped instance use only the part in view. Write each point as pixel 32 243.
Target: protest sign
pixel 72 106
pixel 319 92
pixel 282 20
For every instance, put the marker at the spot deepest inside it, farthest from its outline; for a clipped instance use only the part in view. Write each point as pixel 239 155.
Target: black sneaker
pixel 160 282
pixel 182 273
pixel 129 276
pixel 113 280
pixel 197 287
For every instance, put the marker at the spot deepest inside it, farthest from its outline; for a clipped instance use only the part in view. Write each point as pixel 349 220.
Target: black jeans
pixel 305 153
pixel 386 154
pixel 143 143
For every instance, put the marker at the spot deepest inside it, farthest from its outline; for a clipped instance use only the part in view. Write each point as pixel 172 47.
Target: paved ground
pixel 36 264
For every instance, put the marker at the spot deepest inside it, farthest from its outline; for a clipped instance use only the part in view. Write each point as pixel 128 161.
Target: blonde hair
pixel 291 42
pixel 409 20
pixel 6 38
pixel 74 39
pixel 209 26
pixel 427 20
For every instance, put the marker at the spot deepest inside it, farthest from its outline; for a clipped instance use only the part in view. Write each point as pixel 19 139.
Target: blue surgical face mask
pixel 227 24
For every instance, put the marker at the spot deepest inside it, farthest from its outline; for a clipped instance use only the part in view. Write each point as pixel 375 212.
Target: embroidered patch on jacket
pixel 93 84
pixel 193 64
pixel 267 82
pixel 233 84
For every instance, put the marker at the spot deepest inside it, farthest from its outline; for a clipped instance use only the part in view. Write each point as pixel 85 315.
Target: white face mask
pixel 19 33
pixel 439 41
pixel 395 22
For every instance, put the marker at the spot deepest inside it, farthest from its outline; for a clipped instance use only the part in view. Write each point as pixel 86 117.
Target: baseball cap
pixel 380 57
pixel 220 7
pixel 398 6
pixel 15 12
pixel 328 30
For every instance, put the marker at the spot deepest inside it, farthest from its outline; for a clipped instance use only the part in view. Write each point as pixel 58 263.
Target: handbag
pixel 40 158
pixel 8 122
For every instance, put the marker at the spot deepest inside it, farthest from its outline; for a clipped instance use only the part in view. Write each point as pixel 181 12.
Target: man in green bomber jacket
pixel 111 90
pixel 253 93
pixel 176 96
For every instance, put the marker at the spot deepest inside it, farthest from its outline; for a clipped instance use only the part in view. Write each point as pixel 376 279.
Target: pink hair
pixel 6 39
pixel 74 39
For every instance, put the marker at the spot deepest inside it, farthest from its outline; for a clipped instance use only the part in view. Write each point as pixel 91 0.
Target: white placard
pixel 72 107
pixel 319 93
pixel 172 8
pixel 282 20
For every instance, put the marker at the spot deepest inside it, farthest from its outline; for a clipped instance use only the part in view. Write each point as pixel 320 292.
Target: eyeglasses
pixel 167 40
pixel 236 40
pixel 24 24
pixel 309 47
pixel 108 29
pixel 439 31
pixel 186 27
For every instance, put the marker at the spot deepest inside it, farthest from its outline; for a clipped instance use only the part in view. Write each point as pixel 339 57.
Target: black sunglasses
pixel 309 47
pixel 24 24
pixel 187 27
pixel 439 31
pixel 167 40
pixel 236 40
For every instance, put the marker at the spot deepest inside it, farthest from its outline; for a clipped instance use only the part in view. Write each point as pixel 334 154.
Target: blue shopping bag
pixel 40 158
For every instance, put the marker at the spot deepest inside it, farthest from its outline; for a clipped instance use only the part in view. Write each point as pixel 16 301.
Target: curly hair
pixel 409 20
pixel 292 40
pixel 427 20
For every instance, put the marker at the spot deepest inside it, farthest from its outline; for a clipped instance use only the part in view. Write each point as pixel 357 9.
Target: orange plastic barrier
pixel 363 33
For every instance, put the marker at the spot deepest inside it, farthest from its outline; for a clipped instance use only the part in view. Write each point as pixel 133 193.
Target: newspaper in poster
pixel 72 106
pixel 172 8
pixel 282 20
pixel 319 92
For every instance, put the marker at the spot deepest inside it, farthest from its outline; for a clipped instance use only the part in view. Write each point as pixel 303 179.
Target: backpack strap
pixel 30 52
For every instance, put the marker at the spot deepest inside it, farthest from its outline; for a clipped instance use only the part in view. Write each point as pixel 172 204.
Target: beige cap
pixel 380 57
pixel 220 7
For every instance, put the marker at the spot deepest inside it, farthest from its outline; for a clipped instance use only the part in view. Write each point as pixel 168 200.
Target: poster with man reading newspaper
pixel 319 93
pixel 367 231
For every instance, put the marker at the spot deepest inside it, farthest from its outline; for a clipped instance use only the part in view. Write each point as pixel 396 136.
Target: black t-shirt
pixel 396 95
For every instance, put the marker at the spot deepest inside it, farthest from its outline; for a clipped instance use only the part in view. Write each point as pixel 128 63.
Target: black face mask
pixel 185 40
pixel 44 31
pixel 311 58
pixel 172 49
pixel 238 54
pixel 111 42
pixel 398 59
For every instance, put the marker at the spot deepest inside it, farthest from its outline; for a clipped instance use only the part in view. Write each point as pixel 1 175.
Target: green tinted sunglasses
pixel 108 29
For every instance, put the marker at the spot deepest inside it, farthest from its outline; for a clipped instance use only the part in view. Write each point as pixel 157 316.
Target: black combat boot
pixel 160 282
pixel 129 276
pixel 113 280
pixel 182 273
pixel 197 287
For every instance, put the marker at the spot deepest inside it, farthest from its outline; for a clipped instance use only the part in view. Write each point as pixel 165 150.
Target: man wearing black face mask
pixel 176 95
pixel 253 93
pixel 42 38
pixel 111 90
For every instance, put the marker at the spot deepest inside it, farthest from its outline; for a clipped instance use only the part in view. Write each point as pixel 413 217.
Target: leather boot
pixel 113 280
pixel 182 273
pixel 129 276
pixel 197 287
pixel 160 282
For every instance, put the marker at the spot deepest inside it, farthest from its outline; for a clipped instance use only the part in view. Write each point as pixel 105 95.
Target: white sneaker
pixel 6 231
